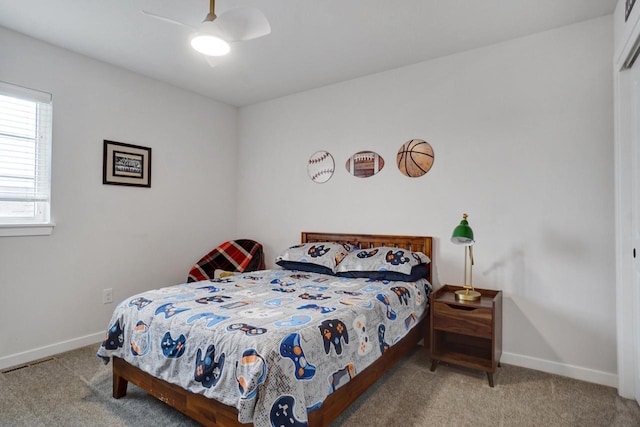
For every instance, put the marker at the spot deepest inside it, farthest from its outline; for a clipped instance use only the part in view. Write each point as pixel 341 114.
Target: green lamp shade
pixel 463 234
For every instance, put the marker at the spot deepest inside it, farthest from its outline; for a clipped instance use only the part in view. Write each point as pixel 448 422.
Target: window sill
pixel 16 230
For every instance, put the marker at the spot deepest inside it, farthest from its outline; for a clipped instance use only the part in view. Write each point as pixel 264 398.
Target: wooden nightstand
pixel 467 333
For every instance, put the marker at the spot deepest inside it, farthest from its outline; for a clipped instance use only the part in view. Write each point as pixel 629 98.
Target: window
pixel 25 158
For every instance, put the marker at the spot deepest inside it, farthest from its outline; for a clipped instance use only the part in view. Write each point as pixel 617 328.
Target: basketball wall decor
pixel 321 166
pixel 415 158
pixel 364 164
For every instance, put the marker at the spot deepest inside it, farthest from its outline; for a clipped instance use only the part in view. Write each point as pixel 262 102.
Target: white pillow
pixel 317 257
pixel 383 258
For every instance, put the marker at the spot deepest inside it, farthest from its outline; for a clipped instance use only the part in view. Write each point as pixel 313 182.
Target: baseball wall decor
pixel 321 166
pixel 415 158
pixel 364 164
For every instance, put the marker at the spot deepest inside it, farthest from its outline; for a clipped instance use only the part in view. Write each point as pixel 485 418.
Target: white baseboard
pixel 49 350
pixel 575 372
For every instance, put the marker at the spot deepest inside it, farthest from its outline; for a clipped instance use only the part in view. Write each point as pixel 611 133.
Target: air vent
pixel 19 367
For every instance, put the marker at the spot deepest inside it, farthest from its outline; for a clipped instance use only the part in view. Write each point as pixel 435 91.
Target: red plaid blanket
pixel 235 255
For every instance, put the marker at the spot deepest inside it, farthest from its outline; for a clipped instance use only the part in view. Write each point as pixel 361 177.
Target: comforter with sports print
pixel 273 343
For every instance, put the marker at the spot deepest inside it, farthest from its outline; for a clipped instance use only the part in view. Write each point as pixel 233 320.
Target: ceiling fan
pixel 214 36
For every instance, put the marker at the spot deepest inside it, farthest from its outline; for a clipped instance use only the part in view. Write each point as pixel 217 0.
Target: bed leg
pixel 490 377
pixel 119 386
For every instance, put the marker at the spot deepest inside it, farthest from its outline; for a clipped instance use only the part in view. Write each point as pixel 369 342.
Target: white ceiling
pixel 313 42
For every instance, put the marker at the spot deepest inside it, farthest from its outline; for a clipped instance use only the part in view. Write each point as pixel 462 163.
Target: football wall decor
pixel 364 164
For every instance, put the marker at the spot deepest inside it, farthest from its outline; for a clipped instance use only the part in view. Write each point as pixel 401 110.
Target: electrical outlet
pixel 107 296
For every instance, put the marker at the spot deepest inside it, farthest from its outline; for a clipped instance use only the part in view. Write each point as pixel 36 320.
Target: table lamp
pixel 463 235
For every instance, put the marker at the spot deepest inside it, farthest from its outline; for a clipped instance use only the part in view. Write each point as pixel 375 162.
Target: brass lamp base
pixel 467 295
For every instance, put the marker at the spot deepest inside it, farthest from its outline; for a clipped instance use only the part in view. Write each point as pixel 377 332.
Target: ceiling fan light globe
pixel 210 45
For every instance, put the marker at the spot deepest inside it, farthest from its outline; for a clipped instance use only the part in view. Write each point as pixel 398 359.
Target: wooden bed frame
pixel 212 413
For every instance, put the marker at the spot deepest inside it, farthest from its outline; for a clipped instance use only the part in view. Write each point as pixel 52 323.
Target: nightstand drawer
pixel 467 320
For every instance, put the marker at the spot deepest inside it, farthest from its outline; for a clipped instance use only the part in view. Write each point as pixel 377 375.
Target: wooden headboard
pixel 422 244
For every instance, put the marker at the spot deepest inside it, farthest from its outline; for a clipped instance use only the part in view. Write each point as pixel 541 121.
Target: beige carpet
pixel 74 389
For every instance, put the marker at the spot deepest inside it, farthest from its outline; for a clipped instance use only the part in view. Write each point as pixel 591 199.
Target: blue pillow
pixel 418 272
pixel 305 266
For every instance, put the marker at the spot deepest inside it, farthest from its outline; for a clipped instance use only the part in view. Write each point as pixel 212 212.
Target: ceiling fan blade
pixel 165 19
pixel 242 23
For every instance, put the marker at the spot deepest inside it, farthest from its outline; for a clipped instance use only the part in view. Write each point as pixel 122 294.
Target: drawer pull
pixel 461 307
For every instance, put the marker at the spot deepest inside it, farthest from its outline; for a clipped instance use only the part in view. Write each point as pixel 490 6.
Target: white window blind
pixel 25 155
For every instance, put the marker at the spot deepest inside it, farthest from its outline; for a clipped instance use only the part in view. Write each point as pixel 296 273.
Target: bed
pixel 305 346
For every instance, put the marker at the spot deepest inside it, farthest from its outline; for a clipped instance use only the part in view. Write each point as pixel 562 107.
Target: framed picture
pixel 126 164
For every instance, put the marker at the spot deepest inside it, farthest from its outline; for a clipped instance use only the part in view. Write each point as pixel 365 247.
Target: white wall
pixel 523 140
pixel 128 239
pixel 523 137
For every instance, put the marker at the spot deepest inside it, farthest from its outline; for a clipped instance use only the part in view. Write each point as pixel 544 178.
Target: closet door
pixel 627 170
pixel 635 216
pixel 626 62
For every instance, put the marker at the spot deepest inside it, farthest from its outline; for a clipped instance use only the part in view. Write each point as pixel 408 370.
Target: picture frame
pixel 126 164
